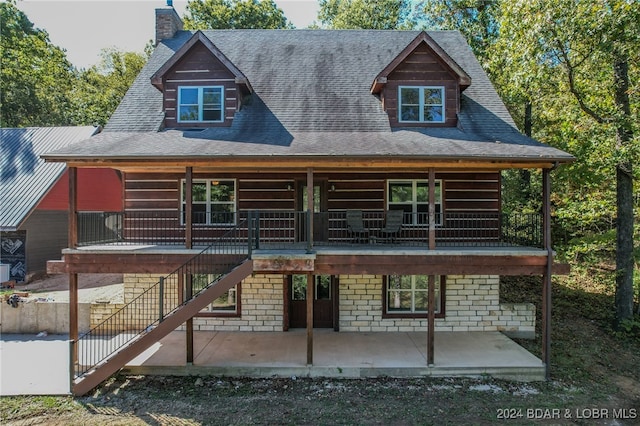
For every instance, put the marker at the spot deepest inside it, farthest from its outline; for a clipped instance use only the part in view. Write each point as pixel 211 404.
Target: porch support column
pixel 188 242
pixel 432 208
pixel 431 319
pixel 188 294
pixel 73 207
pixel 546 278
pixel 73 277
pixel 188 209
pixel 310 208
pixel 310 319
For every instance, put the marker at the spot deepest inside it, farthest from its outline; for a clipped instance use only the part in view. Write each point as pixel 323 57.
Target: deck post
pixel 73 322
pixel 73 207
pixel 431 319
pixel 432 208
pixel 188 294
pixel 309 209
pixel 310 319
pixel 249 233
pixel 161 300
pixel 188 209
pixel 73 277
pixel 546 278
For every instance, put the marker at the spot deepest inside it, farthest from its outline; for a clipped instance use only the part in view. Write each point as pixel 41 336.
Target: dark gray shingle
pixel 312 97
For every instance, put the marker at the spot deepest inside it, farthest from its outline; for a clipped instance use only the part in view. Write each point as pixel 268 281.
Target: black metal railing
pixel 293 229
pixel 160 300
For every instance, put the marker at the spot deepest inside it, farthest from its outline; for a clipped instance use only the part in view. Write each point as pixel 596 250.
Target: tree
pixel 366 14
pixel 35 75
pixel 475 19
pixel 238 14
pixel 99 89
pixel 587 53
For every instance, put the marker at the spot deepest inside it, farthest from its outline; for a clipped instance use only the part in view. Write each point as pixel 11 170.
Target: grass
pixel 592 367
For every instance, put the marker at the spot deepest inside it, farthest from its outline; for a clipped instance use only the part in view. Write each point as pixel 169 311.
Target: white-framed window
pixel 227 303
pixel 412 197
pixel 213 201
pixel 200 104
pixel 421 104
pixel 409 294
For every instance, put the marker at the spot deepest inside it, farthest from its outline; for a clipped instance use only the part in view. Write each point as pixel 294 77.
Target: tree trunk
pixel 624 245
pixel 624 195
pixel 525 174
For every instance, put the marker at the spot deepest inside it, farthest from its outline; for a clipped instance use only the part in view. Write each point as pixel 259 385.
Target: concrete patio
pixel 26 370
pixel 342 354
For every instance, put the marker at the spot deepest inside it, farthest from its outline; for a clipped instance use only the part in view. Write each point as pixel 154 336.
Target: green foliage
pixel 238 14
pixel 39 87
pixel 99 89
pixel 629 328
pixel 476 20
pixel 366 14
pixel 35 75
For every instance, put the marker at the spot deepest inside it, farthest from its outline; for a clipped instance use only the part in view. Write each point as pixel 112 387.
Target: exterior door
pixel 320 217
pixel 322 301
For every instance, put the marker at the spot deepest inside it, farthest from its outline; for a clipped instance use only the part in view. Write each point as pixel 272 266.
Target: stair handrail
pixel 238 248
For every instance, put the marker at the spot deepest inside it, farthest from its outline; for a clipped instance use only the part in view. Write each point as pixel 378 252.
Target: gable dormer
pixel 201 87
pixel 421 87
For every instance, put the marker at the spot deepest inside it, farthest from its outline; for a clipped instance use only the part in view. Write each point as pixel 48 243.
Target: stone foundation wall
pixel 471 304
pixel 261 306
pixel 134 286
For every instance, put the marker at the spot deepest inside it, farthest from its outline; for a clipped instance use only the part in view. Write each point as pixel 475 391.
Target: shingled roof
pixel 312 97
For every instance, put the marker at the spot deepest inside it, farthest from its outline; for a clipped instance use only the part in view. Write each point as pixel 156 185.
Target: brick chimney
pixel 168 22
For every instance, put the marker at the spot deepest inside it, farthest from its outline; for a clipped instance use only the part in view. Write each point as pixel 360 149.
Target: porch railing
pixel 292 229
pixel 153 305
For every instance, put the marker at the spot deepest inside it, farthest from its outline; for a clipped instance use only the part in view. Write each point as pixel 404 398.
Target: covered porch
pixel 339 354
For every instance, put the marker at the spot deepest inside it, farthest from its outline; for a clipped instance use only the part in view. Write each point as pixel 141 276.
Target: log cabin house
pixel 262 170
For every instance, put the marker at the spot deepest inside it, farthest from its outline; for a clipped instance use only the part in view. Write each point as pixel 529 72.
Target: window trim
pixel 200 104
pixel 421 104
pixel 439 314
pixel 237 313
pixel 414 199
pixel 208 203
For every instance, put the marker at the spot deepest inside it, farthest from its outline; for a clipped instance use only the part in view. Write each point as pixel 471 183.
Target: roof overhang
pixel 299 163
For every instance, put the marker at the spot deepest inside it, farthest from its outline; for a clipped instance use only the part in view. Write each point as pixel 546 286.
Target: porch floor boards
pixel 343 354
pixel 298 249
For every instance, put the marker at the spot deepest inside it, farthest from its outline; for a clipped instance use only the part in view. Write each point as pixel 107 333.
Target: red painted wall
pixel 98 190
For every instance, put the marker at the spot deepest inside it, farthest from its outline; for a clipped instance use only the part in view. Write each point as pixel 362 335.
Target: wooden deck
pixel 323 259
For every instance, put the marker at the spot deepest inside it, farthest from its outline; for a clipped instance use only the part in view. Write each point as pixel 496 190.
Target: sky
pixel 84 27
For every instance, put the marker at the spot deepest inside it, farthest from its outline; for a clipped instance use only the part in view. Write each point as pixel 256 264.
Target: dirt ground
pixel 92 287
pixel 595 380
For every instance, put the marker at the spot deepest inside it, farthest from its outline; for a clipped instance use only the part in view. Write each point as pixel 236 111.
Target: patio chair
pixel 392 225
pixel 355 226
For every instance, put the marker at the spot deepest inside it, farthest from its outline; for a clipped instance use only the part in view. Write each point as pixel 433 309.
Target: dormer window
pixel 421 104
pixel 200 104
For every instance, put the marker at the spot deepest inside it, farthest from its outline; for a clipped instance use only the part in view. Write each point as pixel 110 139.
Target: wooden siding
pixel 463 192
pixel 422 68
pixel 471 193
pixel 199 68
